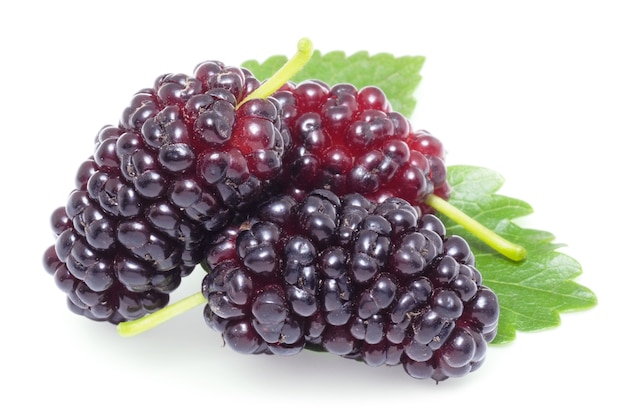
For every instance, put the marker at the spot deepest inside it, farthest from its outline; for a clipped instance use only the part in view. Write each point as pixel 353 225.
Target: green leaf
pixel 398 77
pixel 532 293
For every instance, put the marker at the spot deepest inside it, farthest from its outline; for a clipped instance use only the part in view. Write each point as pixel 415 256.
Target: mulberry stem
pixel 132 328
pixel 285 73
pixel 508 249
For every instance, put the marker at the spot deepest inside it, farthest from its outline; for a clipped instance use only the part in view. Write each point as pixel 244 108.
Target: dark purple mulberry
pixel 380 283
pixel 182 161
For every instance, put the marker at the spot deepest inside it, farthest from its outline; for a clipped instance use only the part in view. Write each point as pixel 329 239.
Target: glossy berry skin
pixel 376 282
pixel 349 140
pixel 159 185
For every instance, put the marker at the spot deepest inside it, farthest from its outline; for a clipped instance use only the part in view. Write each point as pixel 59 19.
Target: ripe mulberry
pixel 186 155
pixel 349 140
pixel 376 282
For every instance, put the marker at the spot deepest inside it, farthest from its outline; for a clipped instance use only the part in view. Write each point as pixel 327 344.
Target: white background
pixel 532 89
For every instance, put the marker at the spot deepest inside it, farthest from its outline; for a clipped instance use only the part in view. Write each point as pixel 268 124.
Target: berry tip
pixel 305 46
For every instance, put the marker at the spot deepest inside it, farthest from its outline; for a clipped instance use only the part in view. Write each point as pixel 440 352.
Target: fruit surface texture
pixel 349 140
pixel 376 282
pixel 185 157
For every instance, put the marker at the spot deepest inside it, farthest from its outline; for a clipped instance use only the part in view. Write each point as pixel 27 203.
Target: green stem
pixel 511 250
pixel 285 73
pixel 132 328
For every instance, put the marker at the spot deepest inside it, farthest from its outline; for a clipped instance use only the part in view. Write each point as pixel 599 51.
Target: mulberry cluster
pixel 306 203
pixel 377 282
